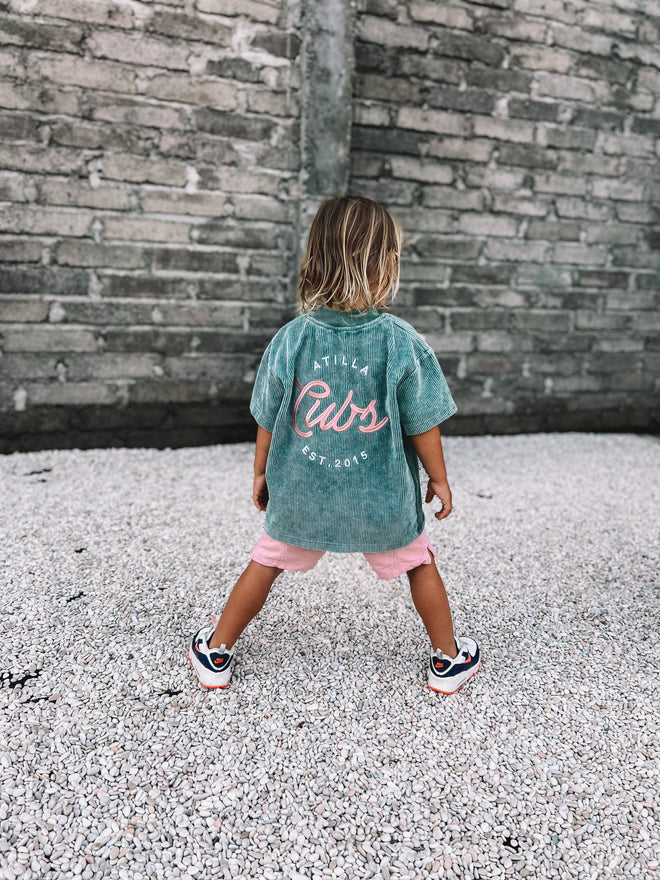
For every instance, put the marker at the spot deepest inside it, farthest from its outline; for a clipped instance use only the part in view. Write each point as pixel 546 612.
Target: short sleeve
pixel 267 394
pixel 423 396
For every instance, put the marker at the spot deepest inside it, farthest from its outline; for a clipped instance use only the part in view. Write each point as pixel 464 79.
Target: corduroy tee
pixel 342 393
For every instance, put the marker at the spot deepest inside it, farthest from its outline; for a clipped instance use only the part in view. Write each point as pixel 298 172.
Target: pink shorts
pixel 387 565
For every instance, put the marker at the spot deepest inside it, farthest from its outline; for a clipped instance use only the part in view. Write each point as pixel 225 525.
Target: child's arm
pixel 428 447
pixel 260 489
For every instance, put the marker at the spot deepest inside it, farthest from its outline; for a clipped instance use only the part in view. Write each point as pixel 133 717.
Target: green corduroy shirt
pixel 341 393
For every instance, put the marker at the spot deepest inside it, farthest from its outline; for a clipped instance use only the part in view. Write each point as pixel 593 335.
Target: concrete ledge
pixel 204 424
pixel 149 426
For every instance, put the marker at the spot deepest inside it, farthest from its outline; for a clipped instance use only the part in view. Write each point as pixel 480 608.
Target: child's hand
pixel 442 491
pixel 260 491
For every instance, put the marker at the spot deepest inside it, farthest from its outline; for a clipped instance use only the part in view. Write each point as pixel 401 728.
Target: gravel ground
pixel 328 756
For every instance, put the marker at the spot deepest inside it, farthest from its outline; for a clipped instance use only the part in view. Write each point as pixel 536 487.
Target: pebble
pixel 328 756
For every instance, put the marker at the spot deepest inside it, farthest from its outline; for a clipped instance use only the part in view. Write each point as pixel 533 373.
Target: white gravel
pixel 328 756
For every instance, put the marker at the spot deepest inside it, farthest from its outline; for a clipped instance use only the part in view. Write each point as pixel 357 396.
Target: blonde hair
pixel 352 256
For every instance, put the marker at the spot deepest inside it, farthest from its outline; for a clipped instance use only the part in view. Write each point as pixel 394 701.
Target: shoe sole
pixel 469 678
pixel 210 687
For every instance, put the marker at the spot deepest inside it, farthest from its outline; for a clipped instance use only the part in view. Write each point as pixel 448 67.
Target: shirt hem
pixel 262 421
pixel 331 547
pixel 420 427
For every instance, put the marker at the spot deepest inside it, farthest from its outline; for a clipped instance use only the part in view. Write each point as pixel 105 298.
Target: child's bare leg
pixel 430 600
pixel 245 601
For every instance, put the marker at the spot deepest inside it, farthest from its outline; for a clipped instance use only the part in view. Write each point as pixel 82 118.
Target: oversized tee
pixel 341 393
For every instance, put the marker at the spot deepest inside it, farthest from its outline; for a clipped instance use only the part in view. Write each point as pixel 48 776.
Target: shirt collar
pixel 335 318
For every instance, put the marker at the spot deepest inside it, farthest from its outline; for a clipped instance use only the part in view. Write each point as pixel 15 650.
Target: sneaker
pixel 212 666
pixel 448 674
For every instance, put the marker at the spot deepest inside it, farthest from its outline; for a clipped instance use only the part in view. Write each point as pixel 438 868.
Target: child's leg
pixel 245 601
pixel 430 600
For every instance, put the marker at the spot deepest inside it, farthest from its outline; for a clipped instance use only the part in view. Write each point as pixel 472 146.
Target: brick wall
pixel 161 161
pixel 149 219
pixel 518 142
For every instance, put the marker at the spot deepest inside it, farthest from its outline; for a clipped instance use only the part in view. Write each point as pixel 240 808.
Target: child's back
pixel 348 400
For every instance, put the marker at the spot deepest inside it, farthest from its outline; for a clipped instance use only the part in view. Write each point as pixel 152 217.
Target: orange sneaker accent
pixel 449 693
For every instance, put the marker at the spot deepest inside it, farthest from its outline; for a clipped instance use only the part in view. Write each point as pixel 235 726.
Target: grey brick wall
pixel 517 140
pixel 150 193
pixel 160 162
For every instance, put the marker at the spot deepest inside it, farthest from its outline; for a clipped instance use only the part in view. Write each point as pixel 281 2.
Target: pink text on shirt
pixel 328 420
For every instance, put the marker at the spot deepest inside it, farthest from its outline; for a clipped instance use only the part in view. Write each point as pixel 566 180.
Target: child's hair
pixel 352 256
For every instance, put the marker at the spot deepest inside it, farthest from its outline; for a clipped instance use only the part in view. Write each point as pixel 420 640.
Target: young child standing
pixel 347 400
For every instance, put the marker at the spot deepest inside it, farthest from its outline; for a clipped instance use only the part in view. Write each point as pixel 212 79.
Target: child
pixel 347 399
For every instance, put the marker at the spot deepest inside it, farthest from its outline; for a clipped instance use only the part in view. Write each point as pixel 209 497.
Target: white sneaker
pixel 212 666
pixel 448 674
